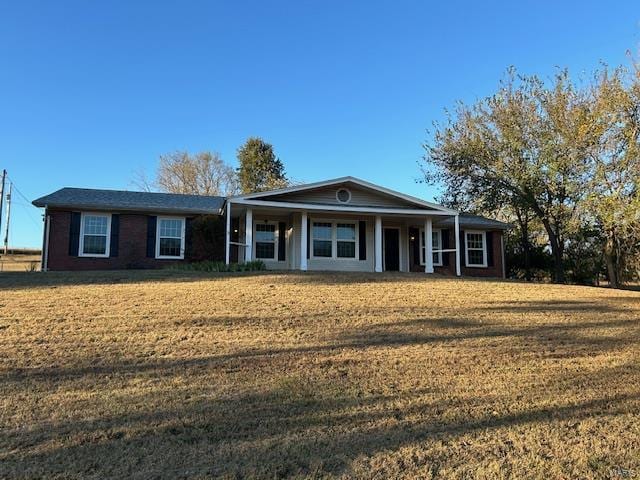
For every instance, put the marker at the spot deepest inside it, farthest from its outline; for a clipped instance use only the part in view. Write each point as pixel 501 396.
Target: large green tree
pixel 525 147
pixel 259 169
pixel 613 200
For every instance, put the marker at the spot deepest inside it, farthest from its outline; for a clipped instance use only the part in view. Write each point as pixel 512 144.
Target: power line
pixel 24 197
pixel 15 188
pixel 18 190
pixel 29 214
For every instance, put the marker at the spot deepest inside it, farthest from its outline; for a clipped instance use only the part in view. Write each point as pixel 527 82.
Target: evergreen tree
pixel 259 169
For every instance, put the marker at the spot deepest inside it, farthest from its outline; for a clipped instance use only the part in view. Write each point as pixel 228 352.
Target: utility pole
pixel 4 176
pixel 6 234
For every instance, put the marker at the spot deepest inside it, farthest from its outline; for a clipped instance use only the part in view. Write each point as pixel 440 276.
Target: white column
pixel 303 243
pixel 428 250
pixel 377 244
pixel 248 235
pixel 457 234
pixel 44 266
pixel 227 241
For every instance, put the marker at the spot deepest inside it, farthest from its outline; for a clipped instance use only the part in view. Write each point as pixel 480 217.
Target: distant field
pixel 174 375
pixel 19 263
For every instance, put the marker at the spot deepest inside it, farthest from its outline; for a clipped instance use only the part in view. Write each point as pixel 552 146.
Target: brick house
pixel 344 224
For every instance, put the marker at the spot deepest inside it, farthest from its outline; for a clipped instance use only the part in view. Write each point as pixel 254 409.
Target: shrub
pixel 206 240
pixel 32 266
pixel 212 266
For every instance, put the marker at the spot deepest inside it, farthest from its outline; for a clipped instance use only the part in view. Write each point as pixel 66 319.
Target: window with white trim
pixel 338 240
pixel 322 235
pixel 346 240
pixel 436 242
pixel 170 237
pixel 95 233
pixel 475 248
pixel 266 238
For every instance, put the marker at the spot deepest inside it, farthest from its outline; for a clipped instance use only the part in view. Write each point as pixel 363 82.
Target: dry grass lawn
pixel 174 375
pixel 19 263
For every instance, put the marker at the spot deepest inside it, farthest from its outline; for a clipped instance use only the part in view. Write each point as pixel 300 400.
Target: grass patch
pixel 171 374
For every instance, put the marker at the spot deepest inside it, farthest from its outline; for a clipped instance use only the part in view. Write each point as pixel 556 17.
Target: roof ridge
pixel 139 191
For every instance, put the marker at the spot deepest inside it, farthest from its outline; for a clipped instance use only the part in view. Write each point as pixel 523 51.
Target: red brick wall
pixel 132 247
pixel 493 271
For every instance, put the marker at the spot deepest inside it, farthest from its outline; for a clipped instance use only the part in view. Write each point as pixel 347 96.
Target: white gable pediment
pixel 345 192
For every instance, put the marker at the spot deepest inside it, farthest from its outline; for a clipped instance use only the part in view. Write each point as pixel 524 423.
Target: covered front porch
pixel 341 239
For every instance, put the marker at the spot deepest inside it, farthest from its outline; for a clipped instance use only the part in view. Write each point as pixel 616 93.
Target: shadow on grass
pixel 555 306
pixel 554 339
pixel 302 428
pixel 29 280
pixel 277 433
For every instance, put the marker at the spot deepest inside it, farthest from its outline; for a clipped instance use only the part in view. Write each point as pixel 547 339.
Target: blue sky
pixel 91 92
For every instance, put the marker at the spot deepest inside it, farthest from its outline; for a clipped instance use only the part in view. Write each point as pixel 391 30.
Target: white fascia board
pixel 295 188
pixel 339 208
pixel 357 181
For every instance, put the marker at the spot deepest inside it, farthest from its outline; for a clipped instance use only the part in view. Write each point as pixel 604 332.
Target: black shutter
pixel 489 236
pixel 362 239
pixel 308 239
pixel 188 237
pixel 463 249
pixel 115 235
pixel 415 233
pixel 282 240
pixel 444 236
pixel 151 236
pixel 74 234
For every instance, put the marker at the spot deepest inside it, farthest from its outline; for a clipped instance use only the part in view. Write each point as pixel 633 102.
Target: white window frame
pixel 356 231
pixel 107 249
pixel 182 239
pixel 275 237
pixel 437 263
pixel 334 239
pixel 484 248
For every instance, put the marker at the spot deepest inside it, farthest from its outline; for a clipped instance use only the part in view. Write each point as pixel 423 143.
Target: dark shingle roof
pixel 476 221
pixel 131 201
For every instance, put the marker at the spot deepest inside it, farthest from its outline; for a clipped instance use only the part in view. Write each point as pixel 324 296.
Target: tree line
pixel 206 173
pixel 560 160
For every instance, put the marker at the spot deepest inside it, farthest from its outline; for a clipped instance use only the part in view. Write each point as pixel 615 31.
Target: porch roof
pixel 476 221
pixel 326 207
